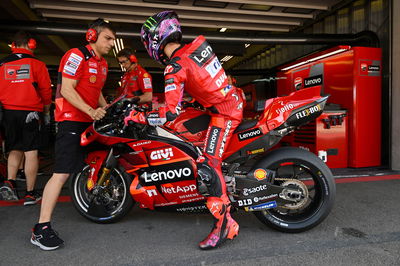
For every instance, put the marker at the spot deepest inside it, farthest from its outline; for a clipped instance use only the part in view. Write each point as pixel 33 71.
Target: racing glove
pixel 31 116
pixel 153 118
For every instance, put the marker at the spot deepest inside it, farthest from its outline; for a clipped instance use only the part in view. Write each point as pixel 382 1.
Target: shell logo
pixel 260 174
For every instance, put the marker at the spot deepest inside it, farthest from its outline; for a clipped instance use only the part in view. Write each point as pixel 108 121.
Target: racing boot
pixel 224 226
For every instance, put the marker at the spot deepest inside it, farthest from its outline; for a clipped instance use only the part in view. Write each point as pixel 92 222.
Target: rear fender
pixel 95 160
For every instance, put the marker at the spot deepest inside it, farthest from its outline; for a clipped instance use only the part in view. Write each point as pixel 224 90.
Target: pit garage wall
pixel 395 85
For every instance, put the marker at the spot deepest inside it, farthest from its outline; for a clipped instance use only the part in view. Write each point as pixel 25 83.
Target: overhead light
pixel 246 45
pixel 226 58
pixel 314 59
pixel 223 29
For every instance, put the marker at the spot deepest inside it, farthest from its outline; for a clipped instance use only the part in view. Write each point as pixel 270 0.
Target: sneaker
pixel 8 192
pixel 32 198
pixel 46 238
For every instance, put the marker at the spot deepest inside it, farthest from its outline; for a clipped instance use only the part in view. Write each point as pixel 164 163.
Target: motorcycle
pixel 287 188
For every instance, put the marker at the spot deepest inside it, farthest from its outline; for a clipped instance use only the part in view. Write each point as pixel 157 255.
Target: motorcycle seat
pixel 246 125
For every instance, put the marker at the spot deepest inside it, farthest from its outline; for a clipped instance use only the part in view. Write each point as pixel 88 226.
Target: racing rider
pixel 196 69
pixel 136 82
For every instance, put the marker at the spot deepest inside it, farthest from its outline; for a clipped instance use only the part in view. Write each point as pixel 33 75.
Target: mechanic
pixel 196 69
pixel 136 82
pixel 25 92
pixel 79 101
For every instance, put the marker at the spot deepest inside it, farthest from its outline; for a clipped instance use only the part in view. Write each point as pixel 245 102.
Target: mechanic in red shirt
pixel 79 101
pixel 196 69
pixel 136 82
pixel 25 92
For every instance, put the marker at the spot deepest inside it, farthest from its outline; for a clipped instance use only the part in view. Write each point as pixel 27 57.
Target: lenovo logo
pixel 202 54
pixel 169 175
pixel 212 140
pixel 313 81
pixel 249 134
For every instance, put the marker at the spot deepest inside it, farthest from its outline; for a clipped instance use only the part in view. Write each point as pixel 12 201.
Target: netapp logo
pixel 249 134
pixel 167 175
pixel 202 54
pixel 212 141
pixel 313 81
pixel 178 189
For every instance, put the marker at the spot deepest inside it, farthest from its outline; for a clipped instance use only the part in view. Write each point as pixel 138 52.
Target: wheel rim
pixel 112 199
pixel 299 175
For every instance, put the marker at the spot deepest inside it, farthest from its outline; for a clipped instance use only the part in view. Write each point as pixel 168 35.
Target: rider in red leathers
pixel 195 69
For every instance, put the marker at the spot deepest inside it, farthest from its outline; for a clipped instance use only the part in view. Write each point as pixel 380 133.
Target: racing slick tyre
pixel 111 202
pixel 299 169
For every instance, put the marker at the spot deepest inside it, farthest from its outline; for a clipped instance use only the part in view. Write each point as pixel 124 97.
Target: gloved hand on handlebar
pixel 153 118
pixel 137 117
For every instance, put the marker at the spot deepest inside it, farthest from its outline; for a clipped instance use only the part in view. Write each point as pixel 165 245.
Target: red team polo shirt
pixel 24 82
pixel 91 73
pixel 135 82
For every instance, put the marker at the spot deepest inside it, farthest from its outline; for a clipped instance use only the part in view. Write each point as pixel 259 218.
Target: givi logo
pixel 165 154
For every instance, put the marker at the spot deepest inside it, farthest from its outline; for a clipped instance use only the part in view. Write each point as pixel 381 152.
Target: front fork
pixel 110 163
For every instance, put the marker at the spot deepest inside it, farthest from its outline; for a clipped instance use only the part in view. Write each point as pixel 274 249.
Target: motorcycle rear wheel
pixel 114 201
pixel 294 167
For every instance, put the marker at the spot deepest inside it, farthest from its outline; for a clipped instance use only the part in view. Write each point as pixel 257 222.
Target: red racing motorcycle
pixel 288 189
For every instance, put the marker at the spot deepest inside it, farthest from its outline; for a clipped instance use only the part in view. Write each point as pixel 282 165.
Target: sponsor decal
pixel 172 68
pixel 10 71
pixel 75 57
pixel 212 140
pixel 268 205
pixel 153 115
pixel 169 81
pixel 364 66
pixel 165 154
pixel 214 67
pixel 222 148
pixel 260 174
pixel 141 143
pixel 167 176
pixel 179 189
pixel 147 83
pixel 92 64
pixel 313 81
pixel 225 91
pixel 93 70
pixel 245 202
pixel 23 72
pixel 146 75
pixel 221 80
pixel 151 192
pixel 202 54
pixel 133 78
pixel 297 83
pixel 255 151
pixel 249 134
pixel 171 87
pixel 248 191
pixel 257 199
pixel 374 68
pixel 308 111
pixel 192 208
pixel 104 70
pixel 284 108
pixel 92 79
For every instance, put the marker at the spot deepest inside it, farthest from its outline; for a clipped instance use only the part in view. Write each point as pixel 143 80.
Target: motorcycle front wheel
pixel 106 204
pixel 302 170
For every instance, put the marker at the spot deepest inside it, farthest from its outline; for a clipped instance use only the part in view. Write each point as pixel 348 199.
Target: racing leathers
pixel 195 68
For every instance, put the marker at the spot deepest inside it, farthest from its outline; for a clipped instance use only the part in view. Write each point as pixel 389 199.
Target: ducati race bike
pixel 287 188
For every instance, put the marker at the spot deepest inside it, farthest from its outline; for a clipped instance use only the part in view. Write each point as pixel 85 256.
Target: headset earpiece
pixel 91 35
pixel 13 46
pixel 32 44
pixel 132 58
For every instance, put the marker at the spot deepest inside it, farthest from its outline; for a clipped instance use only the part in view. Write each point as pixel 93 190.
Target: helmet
pixel 159 30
